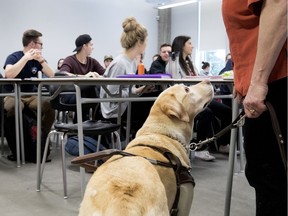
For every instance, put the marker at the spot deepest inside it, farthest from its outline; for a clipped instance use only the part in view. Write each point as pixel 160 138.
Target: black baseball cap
pixel 81 40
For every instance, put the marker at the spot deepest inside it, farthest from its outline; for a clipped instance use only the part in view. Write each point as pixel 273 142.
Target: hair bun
pixel 129 24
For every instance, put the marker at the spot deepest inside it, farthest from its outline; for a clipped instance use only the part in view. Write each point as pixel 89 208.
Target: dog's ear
pixel 174 108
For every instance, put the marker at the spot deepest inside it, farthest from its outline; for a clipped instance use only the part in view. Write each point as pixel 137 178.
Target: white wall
pixel 212 29
pixel 61 21
pixel 204 24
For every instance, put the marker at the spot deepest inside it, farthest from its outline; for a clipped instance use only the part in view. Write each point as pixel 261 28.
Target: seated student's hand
pixel 146 89
pixel 149 88
pixel 93 75
pixel 33 54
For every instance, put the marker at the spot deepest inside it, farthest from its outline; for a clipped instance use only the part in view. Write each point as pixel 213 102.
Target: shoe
pixel 224 149
pixel 11 157
pixel 14 158
pixel 204 155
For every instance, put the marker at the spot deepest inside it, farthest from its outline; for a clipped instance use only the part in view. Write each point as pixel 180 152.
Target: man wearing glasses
pixel 28 63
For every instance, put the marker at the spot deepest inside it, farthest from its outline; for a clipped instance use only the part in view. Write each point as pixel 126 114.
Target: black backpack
pixel 30 135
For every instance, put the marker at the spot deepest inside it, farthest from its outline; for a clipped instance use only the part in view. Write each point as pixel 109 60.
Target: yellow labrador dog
pixel 133 185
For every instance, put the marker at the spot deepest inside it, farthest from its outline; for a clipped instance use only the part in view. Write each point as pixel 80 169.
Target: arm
pixel 99 69
pixel 12 70
pixel 48 71
pixel 115 70
pixel 272 36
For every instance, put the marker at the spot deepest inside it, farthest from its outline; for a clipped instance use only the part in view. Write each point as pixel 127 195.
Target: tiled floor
pixel 18 196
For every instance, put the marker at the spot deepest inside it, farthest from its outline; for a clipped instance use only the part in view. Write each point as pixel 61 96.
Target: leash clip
pixel 194 146
pixel 240 122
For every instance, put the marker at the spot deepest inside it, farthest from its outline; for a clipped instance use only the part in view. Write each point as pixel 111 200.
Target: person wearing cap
pixel 81 64
pixel 107 60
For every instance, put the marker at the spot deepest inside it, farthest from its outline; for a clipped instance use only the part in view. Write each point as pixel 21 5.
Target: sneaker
pixel 224 149
pixel 204 155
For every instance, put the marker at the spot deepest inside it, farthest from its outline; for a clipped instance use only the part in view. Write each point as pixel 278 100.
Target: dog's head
pixel 173 112
pixel 184 102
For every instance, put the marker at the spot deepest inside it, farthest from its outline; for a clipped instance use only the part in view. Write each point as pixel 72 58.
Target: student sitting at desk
pixel 205 120
pixel 159 65
pixel 133 40
pixel 82 64
pixel 26 64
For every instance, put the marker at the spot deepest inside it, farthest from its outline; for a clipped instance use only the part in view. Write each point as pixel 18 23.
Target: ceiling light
pixel 176 4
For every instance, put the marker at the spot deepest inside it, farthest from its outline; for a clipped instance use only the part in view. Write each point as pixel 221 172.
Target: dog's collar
pixel 186 146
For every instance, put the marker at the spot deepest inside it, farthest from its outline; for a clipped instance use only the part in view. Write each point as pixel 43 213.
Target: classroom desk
pixel 77 82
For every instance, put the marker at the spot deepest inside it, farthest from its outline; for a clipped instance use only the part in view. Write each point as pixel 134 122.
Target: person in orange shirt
pixel 257 32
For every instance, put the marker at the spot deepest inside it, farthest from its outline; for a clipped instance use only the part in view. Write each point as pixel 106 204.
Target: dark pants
pixel 264 169
pixel 88 92
pixel 207 119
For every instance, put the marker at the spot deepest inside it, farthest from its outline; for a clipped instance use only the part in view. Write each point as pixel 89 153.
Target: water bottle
pixel 39 74
pixel 141 69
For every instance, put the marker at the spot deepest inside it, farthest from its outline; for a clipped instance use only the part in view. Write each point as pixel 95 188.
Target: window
pixel 216 58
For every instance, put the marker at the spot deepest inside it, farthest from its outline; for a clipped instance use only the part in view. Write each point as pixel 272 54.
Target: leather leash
pixel 278 134
pixel 238 122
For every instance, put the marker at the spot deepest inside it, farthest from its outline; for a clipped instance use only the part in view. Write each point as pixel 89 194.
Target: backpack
pixel 30 135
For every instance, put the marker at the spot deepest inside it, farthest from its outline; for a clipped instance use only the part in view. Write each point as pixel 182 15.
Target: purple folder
pixel 145 76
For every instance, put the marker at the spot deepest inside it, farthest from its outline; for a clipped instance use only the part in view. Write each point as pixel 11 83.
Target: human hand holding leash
pixel 254 101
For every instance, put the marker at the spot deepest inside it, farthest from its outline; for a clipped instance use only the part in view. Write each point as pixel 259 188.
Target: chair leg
pixel 2 125
pixel 98 147
pixel 117 141
pixel 64 166
pixel 45 153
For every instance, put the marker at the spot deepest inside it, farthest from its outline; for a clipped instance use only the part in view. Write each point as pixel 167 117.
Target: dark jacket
pixel 158 66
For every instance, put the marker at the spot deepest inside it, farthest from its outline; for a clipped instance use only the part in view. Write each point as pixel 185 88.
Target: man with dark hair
pixel 159 65
pixel 28 63
pixel 81 64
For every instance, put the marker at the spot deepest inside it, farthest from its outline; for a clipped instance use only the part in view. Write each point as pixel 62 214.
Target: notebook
pixel 145 76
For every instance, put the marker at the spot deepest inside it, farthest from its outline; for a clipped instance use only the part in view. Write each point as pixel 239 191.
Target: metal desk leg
pixel 39 123
pixel 241 148
pixel 17 126
pixel 231 161
pixel 21 133
pixel 2 125
pixel 80 136
pixel 128 123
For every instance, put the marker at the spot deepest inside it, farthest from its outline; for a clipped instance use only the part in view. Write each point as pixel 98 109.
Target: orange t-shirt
pixel 242 26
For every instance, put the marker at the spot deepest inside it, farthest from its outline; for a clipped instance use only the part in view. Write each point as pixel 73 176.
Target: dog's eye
pixel 187 89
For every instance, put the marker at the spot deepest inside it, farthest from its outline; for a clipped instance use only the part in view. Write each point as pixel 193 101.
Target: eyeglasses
pixel 36 42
